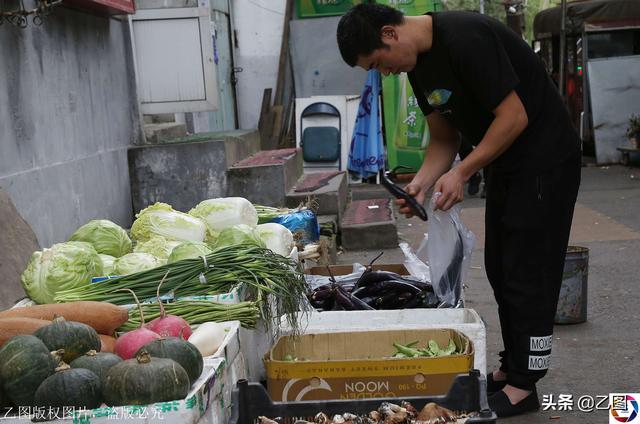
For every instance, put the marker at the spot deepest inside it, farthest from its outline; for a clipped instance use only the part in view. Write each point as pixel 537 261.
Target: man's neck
pixel 420 32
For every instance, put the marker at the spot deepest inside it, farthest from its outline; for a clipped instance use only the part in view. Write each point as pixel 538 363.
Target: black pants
pixel 528 220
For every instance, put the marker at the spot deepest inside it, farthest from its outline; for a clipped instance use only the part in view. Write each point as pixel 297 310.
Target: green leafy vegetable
pixel 238 235
pixel 161 220
pixel 276 237
pixel 105 236
pixel 108 264
pixel 225 212
pixel 132 263
pixel 157 246
pixel 189 250
pixel 64 266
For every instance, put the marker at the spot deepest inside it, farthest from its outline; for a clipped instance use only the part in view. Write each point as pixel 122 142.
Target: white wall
pixel 258 25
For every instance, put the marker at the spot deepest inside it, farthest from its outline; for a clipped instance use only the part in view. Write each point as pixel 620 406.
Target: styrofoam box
pixel 467 321
pixel 187 410
pixel 219 411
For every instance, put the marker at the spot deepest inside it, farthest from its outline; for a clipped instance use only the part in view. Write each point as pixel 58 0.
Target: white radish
pixel 208 337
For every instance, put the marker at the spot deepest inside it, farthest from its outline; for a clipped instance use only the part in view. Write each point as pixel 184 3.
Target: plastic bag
pixel 448 250
pixel 303 225
pixel 414 264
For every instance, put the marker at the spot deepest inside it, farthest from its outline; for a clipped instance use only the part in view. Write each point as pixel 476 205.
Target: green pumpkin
pixel 25 362
pixel 75 338
pixel 69 387
pixel 181 351
pixel 97 362
pixel 144 380
pixel 5 402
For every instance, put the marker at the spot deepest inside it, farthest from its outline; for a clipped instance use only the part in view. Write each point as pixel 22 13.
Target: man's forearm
pixel 439 156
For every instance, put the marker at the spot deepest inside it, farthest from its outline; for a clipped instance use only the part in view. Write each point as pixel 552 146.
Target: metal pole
pixel 482 6
pixel 563 48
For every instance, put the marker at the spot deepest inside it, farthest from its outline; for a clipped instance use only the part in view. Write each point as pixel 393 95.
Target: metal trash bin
pixel 572 303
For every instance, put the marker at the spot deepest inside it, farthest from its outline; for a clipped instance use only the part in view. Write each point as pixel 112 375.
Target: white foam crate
pixel 219 406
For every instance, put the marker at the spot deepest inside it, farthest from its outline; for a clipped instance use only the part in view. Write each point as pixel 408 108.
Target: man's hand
pixel 415 190
pixel 451 185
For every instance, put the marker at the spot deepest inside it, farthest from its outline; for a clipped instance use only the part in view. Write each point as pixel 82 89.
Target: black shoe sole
pixel 500 404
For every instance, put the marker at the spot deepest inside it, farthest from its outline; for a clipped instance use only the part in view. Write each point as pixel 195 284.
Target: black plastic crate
pixel 250 400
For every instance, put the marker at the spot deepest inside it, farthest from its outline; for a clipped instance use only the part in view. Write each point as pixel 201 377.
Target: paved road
pixel 602 355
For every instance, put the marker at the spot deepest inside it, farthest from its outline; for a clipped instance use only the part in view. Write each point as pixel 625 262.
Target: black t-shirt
pixel 474 62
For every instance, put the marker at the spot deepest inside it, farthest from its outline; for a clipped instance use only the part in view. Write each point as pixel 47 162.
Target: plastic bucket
pixel 572 303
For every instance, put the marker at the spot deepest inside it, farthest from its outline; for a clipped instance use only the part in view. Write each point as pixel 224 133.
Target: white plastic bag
pixel 414 264
pixel 448 250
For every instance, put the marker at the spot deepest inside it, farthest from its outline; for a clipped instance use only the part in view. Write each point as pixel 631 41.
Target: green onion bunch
pixel 274 282
pixel 196 312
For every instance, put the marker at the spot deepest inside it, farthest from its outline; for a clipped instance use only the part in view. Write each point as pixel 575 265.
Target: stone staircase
pixel 275 178
pixel 183 170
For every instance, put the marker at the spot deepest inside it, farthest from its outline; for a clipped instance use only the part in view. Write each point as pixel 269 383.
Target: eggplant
pixel 393 285
pixel 349 302
pixel 371 301
pixel 323 294
pixel 372 277
pixel 343 299
pixel 451 280
pixel 383 302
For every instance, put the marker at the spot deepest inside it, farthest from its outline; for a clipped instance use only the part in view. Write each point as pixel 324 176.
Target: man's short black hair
pixel 359 30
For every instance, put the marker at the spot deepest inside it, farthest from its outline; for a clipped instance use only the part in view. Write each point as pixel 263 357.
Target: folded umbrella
pixel 366 154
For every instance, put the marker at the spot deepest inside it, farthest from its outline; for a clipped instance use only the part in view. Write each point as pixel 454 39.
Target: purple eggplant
pixel 346 300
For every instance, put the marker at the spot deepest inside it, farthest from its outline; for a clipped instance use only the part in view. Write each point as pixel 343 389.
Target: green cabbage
pixel 108 265
pixel 238 234
pixel 189 250
pixel 136 262
pixel 161 220
pixel 64 266
pixel 225 212
pixel 159 247
pixel 277 237
pixel 105 236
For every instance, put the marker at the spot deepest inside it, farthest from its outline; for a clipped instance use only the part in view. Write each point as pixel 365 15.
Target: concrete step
pixel 368 191
pixel 266 177
pixel 328 188
pixel 369 224
pixel 157 133
pixel 189 169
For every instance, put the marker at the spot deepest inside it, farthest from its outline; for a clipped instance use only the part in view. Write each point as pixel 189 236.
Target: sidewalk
pixel 595 358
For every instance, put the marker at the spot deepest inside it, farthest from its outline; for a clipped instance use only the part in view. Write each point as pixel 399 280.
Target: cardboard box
pixel 467 321
pixel 353 365
pixel 348 269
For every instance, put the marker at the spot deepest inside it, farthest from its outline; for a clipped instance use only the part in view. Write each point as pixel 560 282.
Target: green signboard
pixel 319 8
pixel 406 130
pixel 413 7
